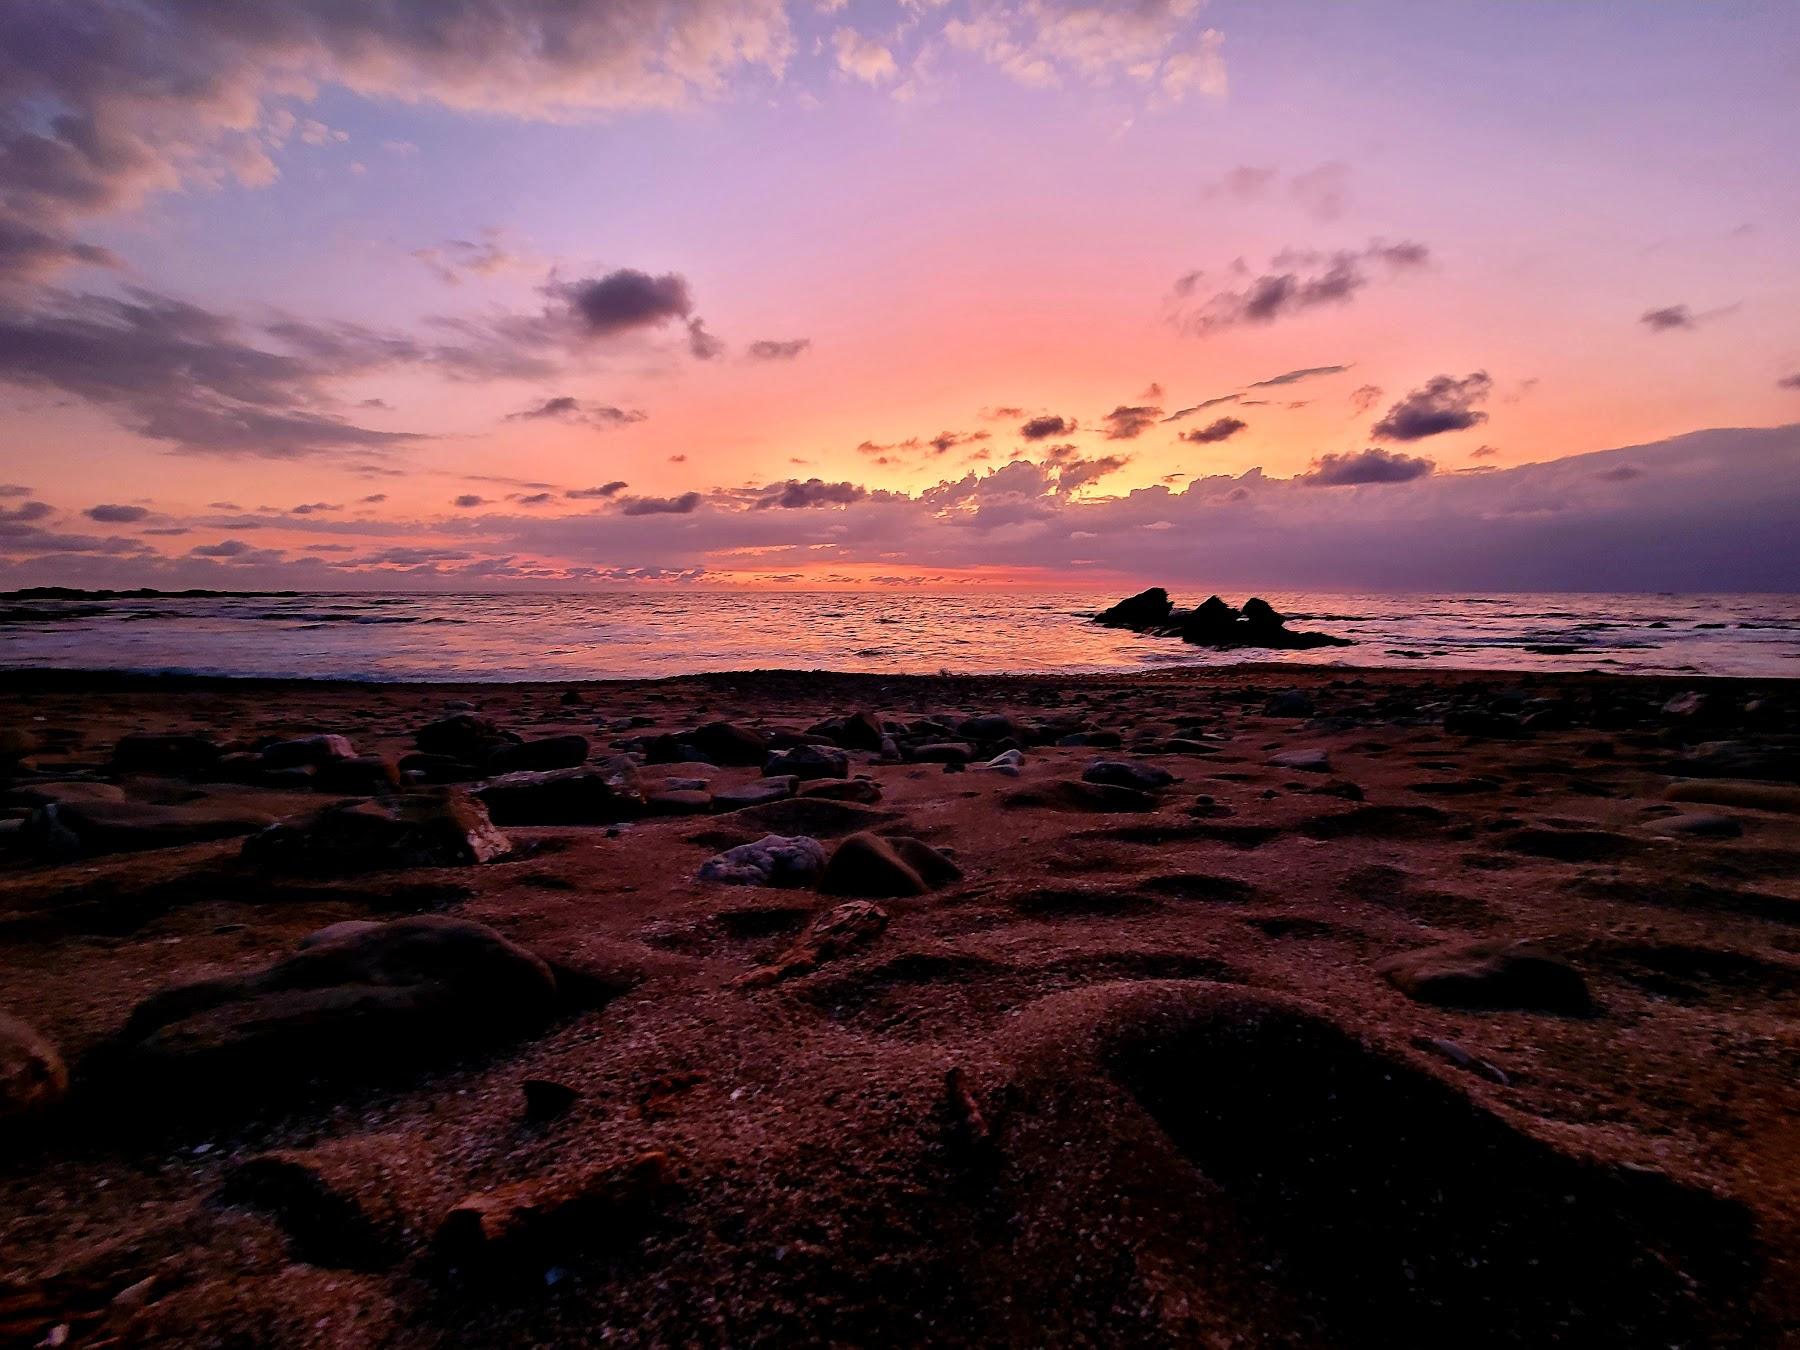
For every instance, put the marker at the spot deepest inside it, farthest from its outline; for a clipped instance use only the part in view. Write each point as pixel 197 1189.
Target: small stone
pixel 1127 773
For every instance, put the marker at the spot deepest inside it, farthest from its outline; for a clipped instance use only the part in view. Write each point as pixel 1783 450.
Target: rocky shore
pixel 1255 1007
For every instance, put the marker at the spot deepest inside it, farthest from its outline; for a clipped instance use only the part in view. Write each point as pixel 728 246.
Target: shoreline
pixel 403 1070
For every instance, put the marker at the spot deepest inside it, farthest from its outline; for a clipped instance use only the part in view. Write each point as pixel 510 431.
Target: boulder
pixel 359 775
pixel 1212 622
pixel 461 736
pixel 172 754
pixel 678 802
pixel 860 731
pixel 1146 609
pixel 111 826
pixel 585 796
pixel 33 1078
pixel 808 761
pixel 942 752
pixel 1727 792
pixel 864 790
pixel 1699 825
pixel 364 998
pixel 1288 703
pixel 773 860
pixel 986 728
pixel 1127 773
pixel 1492 974
pixel 729 743
pixel 875 868
pixel 539 756
pixel 439 827
pixel 1010 763
pixel 819 817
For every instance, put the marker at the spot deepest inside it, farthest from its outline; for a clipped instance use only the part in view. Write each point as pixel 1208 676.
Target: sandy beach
pixel 1232 1007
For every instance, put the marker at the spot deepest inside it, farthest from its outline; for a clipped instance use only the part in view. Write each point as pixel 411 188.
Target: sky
pixel 489 294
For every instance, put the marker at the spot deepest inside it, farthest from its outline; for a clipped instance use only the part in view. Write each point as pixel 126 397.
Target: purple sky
pixel 472 293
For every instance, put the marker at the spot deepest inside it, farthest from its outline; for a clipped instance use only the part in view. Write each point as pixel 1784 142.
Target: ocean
pixel 617 635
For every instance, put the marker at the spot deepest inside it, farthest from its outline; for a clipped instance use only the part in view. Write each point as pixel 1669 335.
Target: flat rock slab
pixel 111 826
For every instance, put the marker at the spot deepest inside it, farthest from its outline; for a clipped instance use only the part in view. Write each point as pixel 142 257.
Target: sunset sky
pixel 498 293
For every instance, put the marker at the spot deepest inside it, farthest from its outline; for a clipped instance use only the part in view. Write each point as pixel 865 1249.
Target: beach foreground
pixel 1237 1007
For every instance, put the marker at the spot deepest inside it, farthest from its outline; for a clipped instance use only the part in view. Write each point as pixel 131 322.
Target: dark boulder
pixel 1146 609
pixel 440 827
pixel 378 996
pixel 1127 773
pixel 173 754
pixel 316 751
pixel 730 744
pixel 67 828
pixel 33 1078
pixel 1213 622
pixel 461 736
pixel 875 868
pixel 808 761
pixel 539 756
pixel 583 796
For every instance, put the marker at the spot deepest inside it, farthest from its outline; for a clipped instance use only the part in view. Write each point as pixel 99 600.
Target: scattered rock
pixel 1770 761
pixel 1288 703
pixel 942 752
pixel 462 736
pixel 874 867
pixel 816 816
pixel 678 803
pixel 1077 795
pixel 860 731
pixel 438 827
pixel 337 1203
pixel 774 860
pixel 1488 974
pixel 864 790
pixel 173 754
pixel 1127 773
pixel 1305 761
pixel 731 744
pixel 584 796
pixel 33 1078
pixel 100 825
pixel 1010 763
pixel 987 728
pixel 807 761
pixel 359 775
pixel 1726 792
pixel 367 998
pixel 539 756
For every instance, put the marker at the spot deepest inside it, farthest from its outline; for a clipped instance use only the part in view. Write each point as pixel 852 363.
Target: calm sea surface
pixel 616 635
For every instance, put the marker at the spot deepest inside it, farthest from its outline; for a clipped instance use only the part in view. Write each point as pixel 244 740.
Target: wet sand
pixel 1160 1066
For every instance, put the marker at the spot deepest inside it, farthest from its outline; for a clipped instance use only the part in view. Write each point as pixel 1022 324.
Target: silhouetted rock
pixel 808 761
pixel 462 736
pixel 1146 609
pixel 731 744
pixel 551 752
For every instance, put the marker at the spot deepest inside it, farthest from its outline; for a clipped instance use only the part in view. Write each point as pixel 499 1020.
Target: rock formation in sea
pixel 1213 623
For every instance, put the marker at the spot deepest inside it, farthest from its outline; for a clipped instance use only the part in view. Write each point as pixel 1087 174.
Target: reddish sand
pixel 1186 1108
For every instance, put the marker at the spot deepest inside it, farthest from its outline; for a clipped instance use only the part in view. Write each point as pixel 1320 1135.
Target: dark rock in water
pixel 177 755
pixel 1488 974
pixel 1127 773
pixel 1146 609
pixel 730 744
pixel 875 868
pixel 461 736
pixel 380 997
pixel 441 827
pixel 808 761
pixel 551 752
pixel 307 750
pixel 1214 623
pixel 584 796
pixel 98 826
pixel 33 1078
